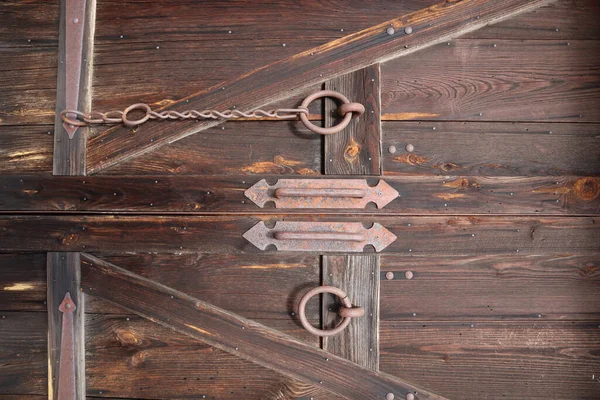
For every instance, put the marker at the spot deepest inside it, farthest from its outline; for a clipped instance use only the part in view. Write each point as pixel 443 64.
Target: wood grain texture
pixel 496 360
pixel 456 235
pixel 26 149
pixel 255 287
pixel 223 330
pixel 357 149
pixel 69 153
pixel 23 354
pixel 358 277
pixel 419 194
pixel 64 275
pixel 124 351
pixel 536 80
pixel 23 282
pixel 274 81
pixel 496 149
pixel 491 287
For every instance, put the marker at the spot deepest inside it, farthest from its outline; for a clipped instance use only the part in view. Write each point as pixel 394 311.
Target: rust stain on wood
pixel 199 330
pixel 406 116
pixel 586 189
pixel 411 159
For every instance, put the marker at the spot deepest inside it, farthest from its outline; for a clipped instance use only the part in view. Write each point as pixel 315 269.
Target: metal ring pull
pixel 347 312
pixel 347 110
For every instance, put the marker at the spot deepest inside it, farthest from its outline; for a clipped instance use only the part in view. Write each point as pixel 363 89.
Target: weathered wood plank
pixel 124 351
pixel 23 354
pixel 457 235
pixel 496 360
pixel 274 81
pixel 419 194
pixel 537 80
pixel 23 282
pixel 357 149
pixel 64 275
pixel 498 149
pixel 491 287
pixel 26 149
pixel 234 334
pixel 358 277
pixel 277 281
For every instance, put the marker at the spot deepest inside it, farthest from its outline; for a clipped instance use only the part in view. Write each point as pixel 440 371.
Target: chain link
pixel 347 110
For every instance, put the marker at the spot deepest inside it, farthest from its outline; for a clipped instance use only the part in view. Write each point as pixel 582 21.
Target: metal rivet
pixel 410 148
pixel 321 382
pixel 390 31
pixel 75 20
pixel 121 36
pixel 283 45
pixel 392 149
pixel 410 396
pixel 495 45
pixel 229 32
pixel 389 275
pixel 557 29
pixel 389 396
pixel 157 47
pixel 472 234
pixel 408 275
pixel 237 348
pixel 342 30
pixel 408 30
pixel 434 128
pixel 414 314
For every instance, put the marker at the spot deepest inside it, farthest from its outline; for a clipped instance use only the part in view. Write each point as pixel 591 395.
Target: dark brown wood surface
pixel 23 353
pixel 220 234
pixel 496 359
pixel 358 277
pixel 491 287
pixel 359 50
pixel 357 149
pixel 494 149
pixel 474 85
pixel 419 194
pixel 237 335
pixel 23 282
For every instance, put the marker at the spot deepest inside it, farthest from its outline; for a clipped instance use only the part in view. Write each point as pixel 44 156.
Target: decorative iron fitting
pixel 321 193
pixel 66 374
pixel 319 236
pixel 74 30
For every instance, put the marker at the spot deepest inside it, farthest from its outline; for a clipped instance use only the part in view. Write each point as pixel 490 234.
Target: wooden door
pixel 489 136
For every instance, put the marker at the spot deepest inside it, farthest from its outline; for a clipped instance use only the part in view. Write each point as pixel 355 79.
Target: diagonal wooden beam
pixel 282 79
pixel 240 336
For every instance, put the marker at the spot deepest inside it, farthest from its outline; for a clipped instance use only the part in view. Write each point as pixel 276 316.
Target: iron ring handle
pixel 349 313
pixel 347 110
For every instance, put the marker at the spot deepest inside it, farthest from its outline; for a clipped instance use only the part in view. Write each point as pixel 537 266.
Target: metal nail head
pixel 389 275
pixel 390 31
pixel 408 275
pixel 392 149
pixel 410 148
pixel 408 30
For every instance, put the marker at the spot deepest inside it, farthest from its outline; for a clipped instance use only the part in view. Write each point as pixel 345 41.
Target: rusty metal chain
pixel 347 110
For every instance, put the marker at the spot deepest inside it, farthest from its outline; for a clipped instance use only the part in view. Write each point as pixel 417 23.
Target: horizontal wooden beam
pixel 278 80
pixel 419 194
pixel 465 235
pixel 237 335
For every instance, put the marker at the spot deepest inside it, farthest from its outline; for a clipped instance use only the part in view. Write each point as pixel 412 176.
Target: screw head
pixel 389 275
pixel 408 30
pixel 410 148
pixel 390 31
pixel 408 274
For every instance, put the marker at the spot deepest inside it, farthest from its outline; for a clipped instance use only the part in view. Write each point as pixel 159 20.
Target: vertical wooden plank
pixel 357 149
pixel 69 154
pixel 358 277
pixel 64 275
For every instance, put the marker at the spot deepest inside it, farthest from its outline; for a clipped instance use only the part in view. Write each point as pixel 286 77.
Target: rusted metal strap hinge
pixel 74 31
pixel 67 389
pixel 319 236
pixel 321 193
